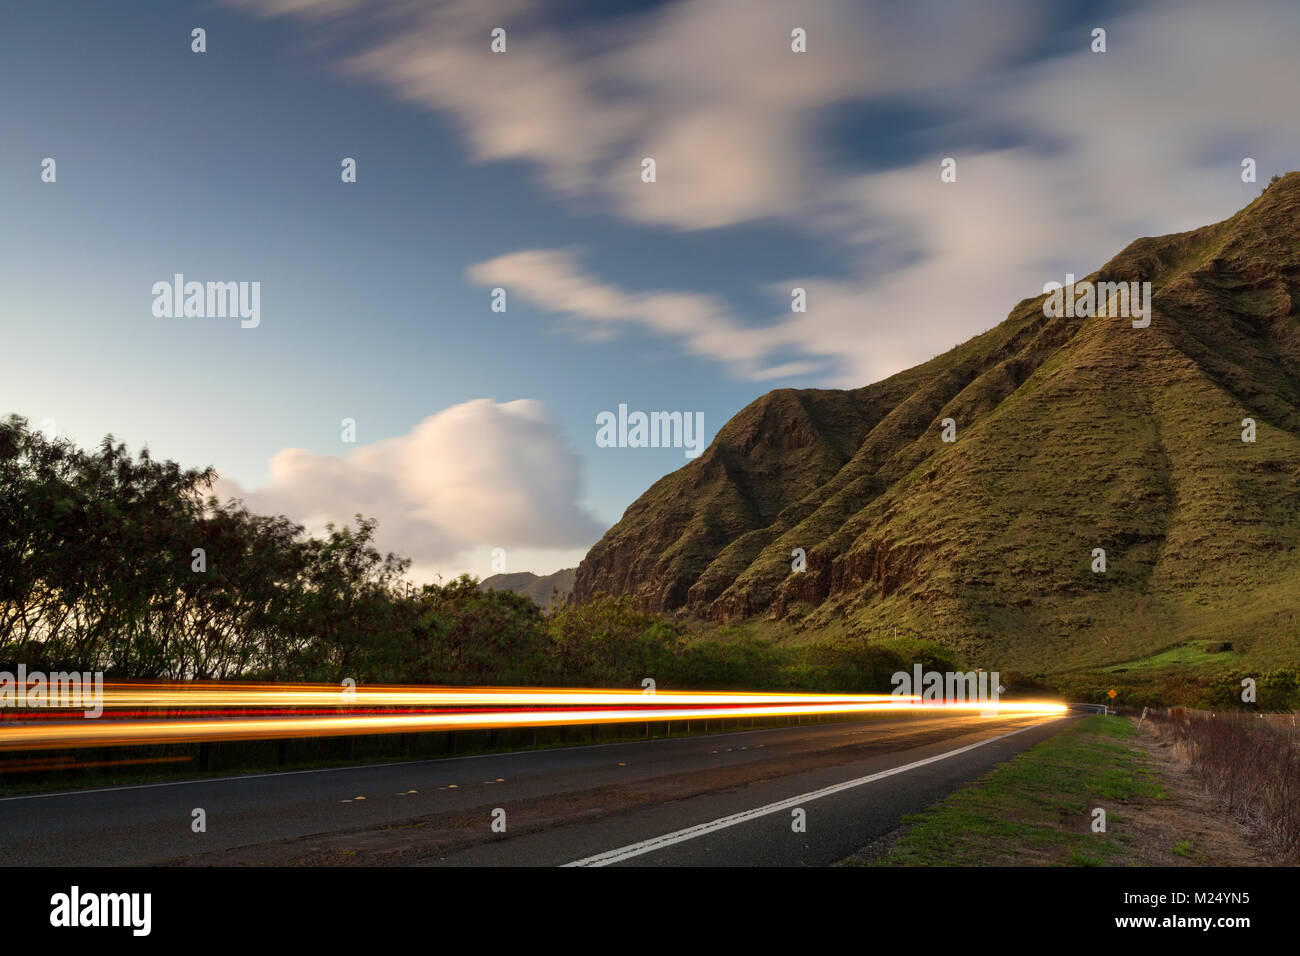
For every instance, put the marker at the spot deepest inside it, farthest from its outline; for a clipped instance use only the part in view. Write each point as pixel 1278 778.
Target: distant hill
pixel 537 587
pixel 1072 434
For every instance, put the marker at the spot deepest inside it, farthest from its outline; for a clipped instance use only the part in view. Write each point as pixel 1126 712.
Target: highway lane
pixel 561 806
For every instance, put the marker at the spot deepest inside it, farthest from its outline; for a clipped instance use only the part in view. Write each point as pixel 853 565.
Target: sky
pixel 523 170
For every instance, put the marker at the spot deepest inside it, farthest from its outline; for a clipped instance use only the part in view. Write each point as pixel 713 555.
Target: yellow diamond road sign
pixel 1111 693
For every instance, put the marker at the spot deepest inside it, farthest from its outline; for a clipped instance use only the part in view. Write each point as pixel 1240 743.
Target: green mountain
pixel 1072 434
pixel 540 587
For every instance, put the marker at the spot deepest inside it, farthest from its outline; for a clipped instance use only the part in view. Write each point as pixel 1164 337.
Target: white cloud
pixel 551 279
pixel 1144 139
pixel 473 477
pixel 709 88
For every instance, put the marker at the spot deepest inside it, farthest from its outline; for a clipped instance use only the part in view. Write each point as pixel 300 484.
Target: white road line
pixel 690 833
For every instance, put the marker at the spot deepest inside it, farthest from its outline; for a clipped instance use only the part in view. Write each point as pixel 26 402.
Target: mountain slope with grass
pixel 542 589
pixel 1073 434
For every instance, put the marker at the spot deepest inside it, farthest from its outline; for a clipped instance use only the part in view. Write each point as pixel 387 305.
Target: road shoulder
pixel 1046 806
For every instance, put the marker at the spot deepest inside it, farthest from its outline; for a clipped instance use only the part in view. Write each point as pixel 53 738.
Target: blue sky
pixel 477 429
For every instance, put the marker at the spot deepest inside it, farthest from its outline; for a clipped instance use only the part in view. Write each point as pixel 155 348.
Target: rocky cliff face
pixel 1073 433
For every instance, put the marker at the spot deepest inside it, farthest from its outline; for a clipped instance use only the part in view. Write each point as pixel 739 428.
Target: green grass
pixel 1037 808
pixel 1184 655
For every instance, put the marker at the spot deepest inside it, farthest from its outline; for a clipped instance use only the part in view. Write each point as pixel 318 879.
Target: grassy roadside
pixel 1037 809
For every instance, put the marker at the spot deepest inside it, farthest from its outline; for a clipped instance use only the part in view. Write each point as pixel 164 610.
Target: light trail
pixel 210 712
pixel 301 695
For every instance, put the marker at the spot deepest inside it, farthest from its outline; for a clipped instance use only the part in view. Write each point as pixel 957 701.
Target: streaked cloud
pixel 1095 149
pixel 553 279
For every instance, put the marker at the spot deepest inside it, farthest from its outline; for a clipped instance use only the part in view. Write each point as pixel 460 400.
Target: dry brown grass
pixel 1248 763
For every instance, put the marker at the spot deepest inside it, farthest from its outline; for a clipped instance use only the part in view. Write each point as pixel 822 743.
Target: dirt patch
pixel 876 851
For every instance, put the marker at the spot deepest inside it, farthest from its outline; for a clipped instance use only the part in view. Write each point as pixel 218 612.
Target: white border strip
pixel 690 833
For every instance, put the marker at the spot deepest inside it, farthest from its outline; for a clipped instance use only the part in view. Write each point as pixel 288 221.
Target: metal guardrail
pixel 1095 708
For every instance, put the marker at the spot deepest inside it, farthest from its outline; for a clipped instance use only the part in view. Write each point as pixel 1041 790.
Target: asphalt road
pixel 721 799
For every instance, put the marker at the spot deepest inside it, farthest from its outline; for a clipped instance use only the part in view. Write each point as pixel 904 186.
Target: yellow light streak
pixel 608 706
pixel 329 695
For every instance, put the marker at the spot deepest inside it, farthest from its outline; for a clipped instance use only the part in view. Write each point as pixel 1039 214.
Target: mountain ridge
pixel 1073 433
pixel 540 588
